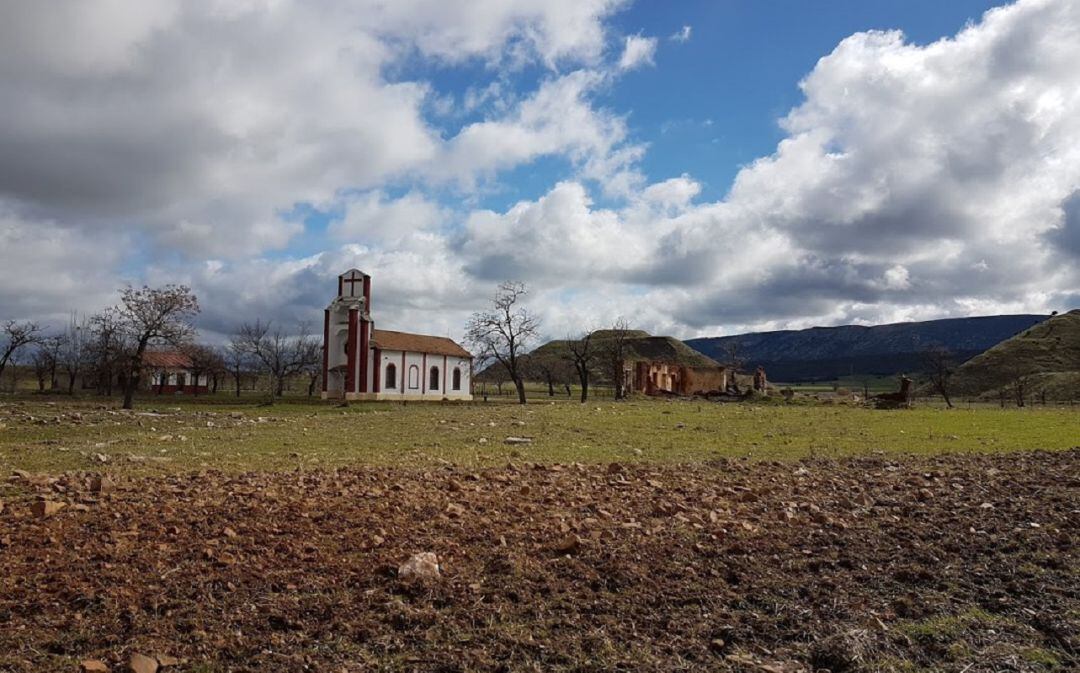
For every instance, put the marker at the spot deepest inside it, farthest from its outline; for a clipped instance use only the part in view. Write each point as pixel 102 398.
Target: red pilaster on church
pixel 350 373
pixel 325 348
pixel 376 375
pixel 365 352
pixel 365 337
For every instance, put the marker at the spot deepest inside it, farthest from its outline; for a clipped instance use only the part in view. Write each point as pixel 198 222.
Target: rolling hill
pixel 828 353
pixel 1046 355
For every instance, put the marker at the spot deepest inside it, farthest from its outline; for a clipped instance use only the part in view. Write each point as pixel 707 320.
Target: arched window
pixel 414 376
pixel 457 378
pixel 433 380
pixel 391 376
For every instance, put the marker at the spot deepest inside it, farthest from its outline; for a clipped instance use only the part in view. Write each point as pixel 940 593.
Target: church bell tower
pixel 347 328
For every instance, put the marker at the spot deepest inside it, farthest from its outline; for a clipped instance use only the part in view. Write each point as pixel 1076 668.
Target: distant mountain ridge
pixel 827 353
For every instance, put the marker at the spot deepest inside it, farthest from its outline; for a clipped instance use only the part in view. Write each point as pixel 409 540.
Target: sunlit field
pixel 178 434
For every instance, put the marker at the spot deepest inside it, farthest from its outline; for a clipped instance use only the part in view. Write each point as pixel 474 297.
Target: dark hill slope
pixel 639 346
pixel 1049 352
pixel 826 353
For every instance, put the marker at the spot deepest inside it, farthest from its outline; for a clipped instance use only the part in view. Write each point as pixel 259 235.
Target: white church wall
pixel 412 376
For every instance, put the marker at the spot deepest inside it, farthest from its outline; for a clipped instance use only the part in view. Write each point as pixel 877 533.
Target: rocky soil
pixel 960 563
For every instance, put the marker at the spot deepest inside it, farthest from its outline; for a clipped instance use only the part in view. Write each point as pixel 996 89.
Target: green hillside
pixel 1045 357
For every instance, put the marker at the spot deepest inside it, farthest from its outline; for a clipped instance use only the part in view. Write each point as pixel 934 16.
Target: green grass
pixel 221 434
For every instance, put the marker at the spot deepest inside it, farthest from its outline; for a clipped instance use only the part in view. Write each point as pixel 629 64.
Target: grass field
pixel 176 435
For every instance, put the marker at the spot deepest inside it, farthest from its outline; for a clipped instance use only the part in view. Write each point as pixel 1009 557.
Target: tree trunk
pixel 519 383
pixel 583 378
pixel 238 375
pixel 551 386
pixel 133 378
pixel 280 388
pixel 71 383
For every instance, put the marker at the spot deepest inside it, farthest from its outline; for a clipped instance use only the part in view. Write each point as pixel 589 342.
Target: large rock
pixel 569 544
pixel 140 663
pixel 99 484
pixel 423 567
pixel 44 508
pixel 93 666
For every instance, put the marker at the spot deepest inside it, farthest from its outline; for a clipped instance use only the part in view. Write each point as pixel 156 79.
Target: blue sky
pixel 927 167
pixel 720 93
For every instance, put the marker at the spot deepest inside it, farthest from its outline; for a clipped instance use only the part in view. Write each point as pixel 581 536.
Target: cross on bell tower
pixel 348 281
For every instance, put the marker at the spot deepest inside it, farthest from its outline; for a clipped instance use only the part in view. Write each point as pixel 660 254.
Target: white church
pixel 363 363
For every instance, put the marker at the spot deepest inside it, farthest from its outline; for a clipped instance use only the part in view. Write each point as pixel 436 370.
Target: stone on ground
pixel 423 566
pixel 44 508
pixel 140 663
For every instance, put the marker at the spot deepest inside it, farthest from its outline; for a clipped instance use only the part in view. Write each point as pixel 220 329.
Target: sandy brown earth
pixel 962 563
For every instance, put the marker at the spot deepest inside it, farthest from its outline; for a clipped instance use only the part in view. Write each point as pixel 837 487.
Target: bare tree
pixel 939 365
pixel 237 360
pixel 491 371
pixel 16 335
pixel 152 315
pixel 73 358
pixel 615 348
pixel 582 354
pixel 1020 386
pixel 46 360
pixel 217 367
pixel 734 362
pixel 312 365
pixel 280 355
pixel 204 360
pixel 105 349
pixel 42 361
pixel 504 332
pixel 548 368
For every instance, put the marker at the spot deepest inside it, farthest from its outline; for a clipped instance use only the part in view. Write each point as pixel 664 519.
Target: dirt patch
pixel 954 563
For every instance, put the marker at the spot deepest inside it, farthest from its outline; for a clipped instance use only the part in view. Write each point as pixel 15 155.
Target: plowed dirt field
pixel 954 563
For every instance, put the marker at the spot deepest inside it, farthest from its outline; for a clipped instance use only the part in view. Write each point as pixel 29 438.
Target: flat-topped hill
pixel 640 346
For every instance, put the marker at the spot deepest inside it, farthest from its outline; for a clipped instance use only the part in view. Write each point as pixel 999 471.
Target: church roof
pixel 417 343
pixel 166 359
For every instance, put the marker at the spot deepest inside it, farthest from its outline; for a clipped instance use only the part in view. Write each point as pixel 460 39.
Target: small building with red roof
pixel 170 372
